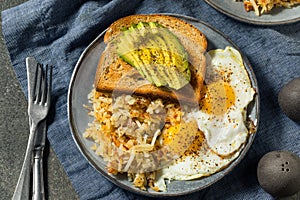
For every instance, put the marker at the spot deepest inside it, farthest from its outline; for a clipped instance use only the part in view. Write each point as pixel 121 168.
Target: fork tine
pixel 38 86
pixel 49 84
pixel 44 84
pixel 33 88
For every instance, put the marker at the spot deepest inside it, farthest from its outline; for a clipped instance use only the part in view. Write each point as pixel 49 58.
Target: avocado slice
pixel 125 49
pixel 131 53
pixel 156 53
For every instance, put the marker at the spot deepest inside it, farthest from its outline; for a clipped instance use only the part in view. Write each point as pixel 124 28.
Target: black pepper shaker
pixel 278 173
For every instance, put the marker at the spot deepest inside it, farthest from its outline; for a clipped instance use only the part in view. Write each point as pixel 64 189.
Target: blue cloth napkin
pixel 57 32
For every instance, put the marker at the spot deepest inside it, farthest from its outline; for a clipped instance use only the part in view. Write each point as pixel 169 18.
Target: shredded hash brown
pixel 265 6
pixel 119 126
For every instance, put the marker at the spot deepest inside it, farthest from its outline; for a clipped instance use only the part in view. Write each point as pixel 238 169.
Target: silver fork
pixel 39 88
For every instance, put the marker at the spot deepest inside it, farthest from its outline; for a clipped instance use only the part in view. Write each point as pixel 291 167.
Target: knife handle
pixel 38 175
pixel 22 189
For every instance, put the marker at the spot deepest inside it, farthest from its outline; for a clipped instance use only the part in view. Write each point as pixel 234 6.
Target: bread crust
pixel 115 75
pixel 175 25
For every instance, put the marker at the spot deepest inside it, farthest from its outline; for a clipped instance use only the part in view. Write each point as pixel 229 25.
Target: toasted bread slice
pixel 115 75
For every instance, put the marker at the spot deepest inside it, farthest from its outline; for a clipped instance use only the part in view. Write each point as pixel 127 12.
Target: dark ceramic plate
pixel 81 84
pixel 236 10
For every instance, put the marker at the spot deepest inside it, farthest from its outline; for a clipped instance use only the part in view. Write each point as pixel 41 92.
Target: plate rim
pixel 250 21
pixel 83 152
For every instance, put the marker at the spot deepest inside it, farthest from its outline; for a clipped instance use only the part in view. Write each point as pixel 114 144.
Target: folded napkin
pixel 57 32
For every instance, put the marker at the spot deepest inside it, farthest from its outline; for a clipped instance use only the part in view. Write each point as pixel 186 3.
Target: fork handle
pixel 38 177
pixel 22 191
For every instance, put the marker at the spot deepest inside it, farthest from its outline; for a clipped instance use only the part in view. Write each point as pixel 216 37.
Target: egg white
pixel 225 133
pixel 202 163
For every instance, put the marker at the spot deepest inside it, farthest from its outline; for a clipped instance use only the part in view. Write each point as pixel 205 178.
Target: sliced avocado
pixel 135 54
pixel 158 58
pixel 156 53
pixel 125 47
pixel 124 43
pixel 154 27
pixel 166 53
pixel 145 54
pixel 179 55
pixel 140 26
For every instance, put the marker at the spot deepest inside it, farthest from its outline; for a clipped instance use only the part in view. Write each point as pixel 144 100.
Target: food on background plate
pixel 265 6
pixel 156 114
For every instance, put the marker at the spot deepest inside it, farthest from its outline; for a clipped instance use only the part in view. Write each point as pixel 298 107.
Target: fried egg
pixel 197 161
pixel 227 93
pixel 222 132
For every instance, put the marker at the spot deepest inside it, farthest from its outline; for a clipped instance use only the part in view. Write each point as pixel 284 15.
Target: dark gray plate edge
pixel 159 194
pixel 249 21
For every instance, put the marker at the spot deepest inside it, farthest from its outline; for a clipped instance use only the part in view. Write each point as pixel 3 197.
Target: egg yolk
pixel 195 145
pixel 180 136
pixel 217 98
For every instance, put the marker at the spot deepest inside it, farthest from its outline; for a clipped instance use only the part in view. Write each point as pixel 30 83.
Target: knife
pixel 38 191
pixel 22 190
